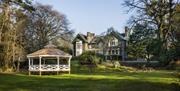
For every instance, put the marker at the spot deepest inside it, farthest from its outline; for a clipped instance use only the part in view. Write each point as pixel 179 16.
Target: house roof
pixel 81 36
pixel 122 34
pixel 97 39
pixel 49 50
pixel 118 35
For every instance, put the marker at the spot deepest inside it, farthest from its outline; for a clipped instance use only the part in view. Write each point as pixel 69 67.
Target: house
pixel 111 45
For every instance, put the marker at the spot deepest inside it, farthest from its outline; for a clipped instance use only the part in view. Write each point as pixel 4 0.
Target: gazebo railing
pixel 49 68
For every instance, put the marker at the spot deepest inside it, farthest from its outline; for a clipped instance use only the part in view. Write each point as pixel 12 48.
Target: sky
pixel 91 15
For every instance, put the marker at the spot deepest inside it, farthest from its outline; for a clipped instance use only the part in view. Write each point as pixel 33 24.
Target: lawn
pixel 97 81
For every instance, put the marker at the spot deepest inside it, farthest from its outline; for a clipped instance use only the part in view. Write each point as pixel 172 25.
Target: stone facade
pixel 113 47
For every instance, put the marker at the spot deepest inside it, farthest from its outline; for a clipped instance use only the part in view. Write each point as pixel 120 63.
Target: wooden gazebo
pixel 49 59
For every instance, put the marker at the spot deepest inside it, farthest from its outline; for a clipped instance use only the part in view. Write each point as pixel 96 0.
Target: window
pixel 117 52
pixel 109 52
pixel 113 52
pixel 77 53
pixel 89 46
pixel 79 45
pixel 113 42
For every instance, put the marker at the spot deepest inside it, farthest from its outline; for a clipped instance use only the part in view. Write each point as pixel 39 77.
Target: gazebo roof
pixel 49 50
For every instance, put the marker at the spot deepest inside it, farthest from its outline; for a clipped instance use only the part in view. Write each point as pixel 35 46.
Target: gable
pixel 80 37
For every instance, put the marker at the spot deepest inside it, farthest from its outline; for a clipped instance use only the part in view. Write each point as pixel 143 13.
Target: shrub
pixel 90 57
pixel 141 64
pixel 173 65
pixel 112 64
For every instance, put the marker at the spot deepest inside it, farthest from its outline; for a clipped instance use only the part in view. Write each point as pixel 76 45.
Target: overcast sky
pixel 91 15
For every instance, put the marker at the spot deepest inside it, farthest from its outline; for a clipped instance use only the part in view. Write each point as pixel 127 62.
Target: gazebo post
pixel 69 63
pixel 40 66
pixel 29 65
pixel 32 61
pixel 58 65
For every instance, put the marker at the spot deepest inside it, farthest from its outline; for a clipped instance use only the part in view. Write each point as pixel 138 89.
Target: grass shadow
pixel 13 82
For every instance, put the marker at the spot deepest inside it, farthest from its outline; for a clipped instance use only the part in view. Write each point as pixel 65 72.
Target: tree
pixel 158 14
pixel 139 41
pixel 6 10
pixel 10 30
pixel 44 25
pixel 174 50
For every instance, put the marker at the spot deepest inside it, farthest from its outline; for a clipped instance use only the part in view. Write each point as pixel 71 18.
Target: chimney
pixel 126 32
pixel 90 36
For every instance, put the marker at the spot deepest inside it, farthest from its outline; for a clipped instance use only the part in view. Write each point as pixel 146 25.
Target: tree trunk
pixel 18 64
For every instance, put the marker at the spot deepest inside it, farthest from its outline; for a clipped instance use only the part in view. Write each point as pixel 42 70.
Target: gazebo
pixel 49 59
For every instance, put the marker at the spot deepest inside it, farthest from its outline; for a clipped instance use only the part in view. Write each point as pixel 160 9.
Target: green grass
pixel 102 79
pixel 97 81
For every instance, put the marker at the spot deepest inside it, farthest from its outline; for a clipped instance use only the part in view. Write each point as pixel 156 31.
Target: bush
pixel 173 65
pixel 88 60
pixel 136 64
pixel 90 57
pixel 112 64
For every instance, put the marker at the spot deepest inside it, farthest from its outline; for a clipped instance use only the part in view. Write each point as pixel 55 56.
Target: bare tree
pixel 44 25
